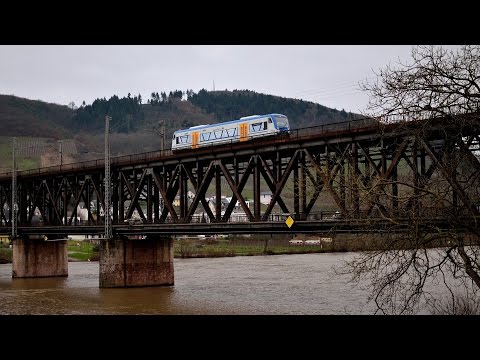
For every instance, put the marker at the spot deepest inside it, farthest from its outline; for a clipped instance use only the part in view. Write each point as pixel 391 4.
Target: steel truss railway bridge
pixel 321 177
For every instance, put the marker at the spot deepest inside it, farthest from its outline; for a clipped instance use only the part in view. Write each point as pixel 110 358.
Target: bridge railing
pixel 343 126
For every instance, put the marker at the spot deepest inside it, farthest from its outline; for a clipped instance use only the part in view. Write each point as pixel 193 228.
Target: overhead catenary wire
pixel 337 90
pixel 337 95
pixel 328 89
pixel 333 91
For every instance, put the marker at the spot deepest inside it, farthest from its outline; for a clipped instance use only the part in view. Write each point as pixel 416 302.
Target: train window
pixel 265 125
pixel 256 127
pixel 232 132
pixel 206 136
pixel 269 120
pixel 184 139
pixel 218 134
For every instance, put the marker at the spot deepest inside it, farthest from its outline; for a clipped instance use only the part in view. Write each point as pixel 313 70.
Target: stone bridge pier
pixel 133 261
pixel 36 256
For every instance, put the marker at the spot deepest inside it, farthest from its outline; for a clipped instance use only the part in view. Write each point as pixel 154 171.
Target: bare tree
pixel 437 82
pixel 456 304
pixel 428 197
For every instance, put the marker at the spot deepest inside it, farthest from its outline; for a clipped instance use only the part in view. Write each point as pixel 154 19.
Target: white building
pixel 265 197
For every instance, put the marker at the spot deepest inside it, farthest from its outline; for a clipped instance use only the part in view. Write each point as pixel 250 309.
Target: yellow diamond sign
pixel 289 221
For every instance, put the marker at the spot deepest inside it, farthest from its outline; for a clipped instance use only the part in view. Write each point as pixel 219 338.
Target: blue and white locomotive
pixel 246 128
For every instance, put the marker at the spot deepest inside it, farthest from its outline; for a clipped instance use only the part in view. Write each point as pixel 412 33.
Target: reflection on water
pixel 283 284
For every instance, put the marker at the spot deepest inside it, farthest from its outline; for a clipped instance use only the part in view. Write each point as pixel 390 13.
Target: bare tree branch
pixel 429 192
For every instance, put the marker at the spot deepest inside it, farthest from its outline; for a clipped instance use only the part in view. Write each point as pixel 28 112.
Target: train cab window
pixel 269 120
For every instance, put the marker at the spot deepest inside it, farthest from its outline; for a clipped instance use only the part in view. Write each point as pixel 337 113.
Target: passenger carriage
pixel 244 129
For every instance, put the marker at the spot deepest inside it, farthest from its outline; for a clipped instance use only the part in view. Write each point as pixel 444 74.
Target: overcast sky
pixel 325 74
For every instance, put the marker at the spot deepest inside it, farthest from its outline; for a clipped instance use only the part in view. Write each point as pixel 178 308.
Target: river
pixel 280 284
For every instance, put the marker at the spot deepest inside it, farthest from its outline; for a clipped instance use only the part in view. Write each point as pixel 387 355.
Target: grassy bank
pixel 77 251
pixel 5 251
pixel 5 255
pixel 82 251
pixel 188 248
pixel 194 247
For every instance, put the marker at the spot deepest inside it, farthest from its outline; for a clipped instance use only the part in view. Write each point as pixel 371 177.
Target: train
pixel 244 129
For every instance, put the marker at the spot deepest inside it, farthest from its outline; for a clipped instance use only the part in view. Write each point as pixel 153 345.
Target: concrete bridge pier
pixel 136 262
pixel 39 257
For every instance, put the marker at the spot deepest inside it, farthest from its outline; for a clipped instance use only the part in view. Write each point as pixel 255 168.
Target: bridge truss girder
pixel 306 177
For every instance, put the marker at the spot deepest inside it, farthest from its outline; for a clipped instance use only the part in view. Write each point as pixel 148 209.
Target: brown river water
pixel 243 285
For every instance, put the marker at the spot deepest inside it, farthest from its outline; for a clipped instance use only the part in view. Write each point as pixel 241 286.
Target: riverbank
pixel 211 247
pixel 86 250
pixel 5 253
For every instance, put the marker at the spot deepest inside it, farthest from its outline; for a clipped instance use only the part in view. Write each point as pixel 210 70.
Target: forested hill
pixel 135 121
pixel 24 117
pixel 184 109
pixel 225 105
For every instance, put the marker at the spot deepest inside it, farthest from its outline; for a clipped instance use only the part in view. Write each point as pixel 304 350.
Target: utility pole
pixel 108 225
pixel 14 190
pixel 163 132
pixel 161 126
pixel 60 150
